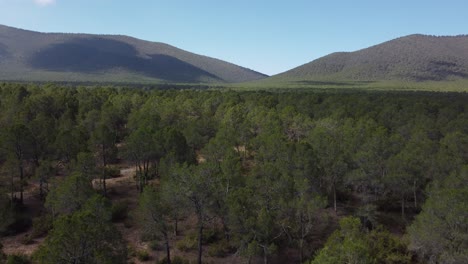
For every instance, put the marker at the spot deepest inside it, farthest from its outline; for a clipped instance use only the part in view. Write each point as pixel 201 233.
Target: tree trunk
pixel 265 256
pixel 200 237
pixel 104 187
pixel 403 207
pixel 168 250
pixel 334 198
pixel 104 164
pixel 176 222
pixel 301 241
pixel 226 230
pixel 41 188
pixel 21 170
pixel 12 189
pixel 301 250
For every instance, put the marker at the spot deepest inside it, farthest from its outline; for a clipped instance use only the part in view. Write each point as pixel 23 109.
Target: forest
pixel 131 175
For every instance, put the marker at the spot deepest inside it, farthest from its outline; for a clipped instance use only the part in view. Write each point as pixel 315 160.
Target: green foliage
pixel 131 251
pixel 119 211
pixel 388 248
pixel 17 141
pixel 188 243
pixel 2 255
pixel 220 249
pixel 129 222
pixel 439 234
pixel 350 244
pixel 266 163
pixel 154 214
pixel 17 259
pixel 112 172
pixel 145 151
pixel 27 240
pixel 69 143
pixel 143 255
pixel 69 195
pixel 154 245
pixel 41 225
pixel 6 212
pixel 85 236
pixel 44 172
pixel 174 260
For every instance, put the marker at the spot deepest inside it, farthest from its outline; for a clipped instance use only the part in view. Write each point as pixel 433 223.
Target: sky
pixel 264 35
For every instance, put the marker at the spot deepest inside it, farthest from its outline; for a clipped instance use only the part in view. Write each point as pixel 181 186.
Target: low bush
pixel 119 211
pixel 220 249
pixel 18 259
pixel 41 225
pixel 27 240
pixel 143 255
pixel 21 224
pixel 190 241
pixel 112 172
pixel 2 255
pixel 131 252
pixel 128 222
pixel 174 260
pixel 154 245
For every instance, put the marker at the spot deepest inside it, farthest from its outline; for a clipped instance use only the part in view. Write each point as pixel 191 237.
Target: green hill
pixel 33 56
pixel 414 58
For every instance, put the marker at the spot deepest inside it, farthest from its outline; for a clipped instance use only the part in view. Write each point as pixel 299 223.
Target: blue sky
pixel 267 36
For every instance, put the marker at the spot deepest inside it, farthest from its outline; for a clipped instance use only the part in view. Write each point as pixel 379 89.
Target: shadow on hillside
pixel 325 83
pixel 94 55
pixel 3 51
pixel 439 70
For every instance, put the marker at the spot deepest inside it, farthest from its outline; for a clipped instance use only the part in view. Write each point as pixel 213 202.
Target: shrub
pixel 27 240
pixel 143 255
pixel 18 259
pixel 21 224
pixel 211 236
pixel 41 225
pixel 112 172
pixel 220 249
pixel 147 237
pixel 174 260
pixel 189 242
pixel 351 244
pixel 2 255
pixel 119 211
pixel 128 222
pixel 154 245
pixel 131 252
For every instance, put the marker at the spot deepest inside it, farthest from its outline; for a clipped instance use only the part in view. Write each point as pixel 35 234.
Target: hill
pixel 33 56
pixel 413 58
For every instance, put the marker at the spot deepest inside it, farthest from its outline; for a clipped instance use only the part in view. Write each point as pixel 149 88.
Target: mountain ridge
pixel 35 56
pixel 415 57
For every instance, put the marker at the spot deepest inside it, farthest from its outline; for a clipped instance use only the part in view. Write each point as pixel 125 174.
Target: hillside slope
pixel 33 56
pixel 410 58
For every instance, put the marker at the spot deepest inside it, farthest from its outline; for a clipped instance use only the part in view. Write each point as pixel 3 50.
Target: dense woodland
pixel 274 177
